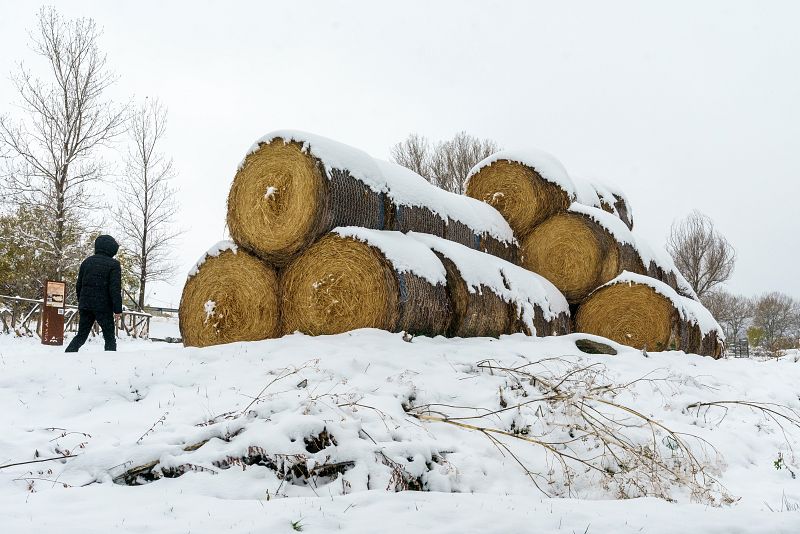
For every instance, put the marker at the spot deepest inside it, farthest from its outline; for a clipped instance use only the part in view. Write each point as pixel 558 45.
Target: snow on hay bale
pixel 418 206
pixel 229 296
pixel 293 187
pixel 610 198
pixel 642 312
pixel 528 186
pixel 360 278
pixel 491 296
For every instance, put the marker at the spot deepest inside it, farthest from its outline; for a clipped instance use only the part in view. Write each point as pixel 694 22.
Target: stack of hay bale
pixel 578 234
pixel 327 239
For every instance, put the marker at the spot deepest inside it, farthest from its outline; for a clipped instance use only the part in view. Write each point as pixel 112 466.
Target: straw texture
pixel 233 297
pixel 340 284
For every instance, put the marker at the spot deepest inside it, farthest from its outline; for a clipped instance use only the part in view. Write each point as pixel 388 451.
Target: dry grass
pixel 233 297
pixel 569 410
pixel 587 433
pixel 518 192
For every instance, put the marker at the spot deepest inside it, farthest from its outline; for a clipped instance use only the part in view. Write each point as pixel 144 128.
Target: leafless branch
pixel 703 255
pixel 445 164
pixel 147 203
pixel 52 151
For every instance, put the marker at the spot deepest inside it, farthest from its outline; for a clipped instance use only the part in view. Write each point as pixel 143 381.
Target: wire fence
pixel 22 317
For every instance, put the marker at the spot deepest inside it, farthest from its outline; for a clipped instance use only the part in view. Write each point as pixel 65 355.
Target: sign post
pixel 53 312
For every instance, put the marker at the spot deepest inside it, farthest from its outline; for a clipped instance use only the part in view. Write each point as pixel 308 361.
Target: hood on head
pixel 107 245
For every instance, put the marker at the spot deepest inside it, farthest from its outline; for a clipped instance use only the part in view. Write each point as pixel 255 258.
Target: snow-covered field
pixel 305 433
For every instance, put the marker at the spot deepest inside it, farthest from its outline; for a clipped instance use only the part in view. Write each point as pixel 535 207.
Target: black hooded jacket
pixel 99 285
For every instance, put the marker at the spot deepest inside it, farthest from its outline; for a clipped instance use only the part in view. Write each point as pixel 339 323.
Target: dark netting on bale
pixel 459 232
pixel 351 202
pixel 630 259
pixel 481 313
pixel 605 206
pixel 491 297
pixel 623 212
pixel 500 249
pixel 669 277
pixel 560 325
pixel 711 345
pixel 424 308
pixel 417 219
pixel 693 340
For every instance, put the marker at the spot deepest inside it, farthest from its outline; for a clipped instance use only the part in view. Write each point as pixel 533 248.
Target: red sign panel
pixel 55 296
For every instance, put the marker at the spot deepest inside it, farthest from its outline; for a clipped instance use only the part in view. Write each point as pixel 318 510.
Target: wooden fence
pixel 22 317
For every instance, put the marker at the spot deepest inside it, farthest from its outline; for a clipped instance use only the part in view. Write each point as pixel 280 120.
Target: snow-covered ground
pixel 331 421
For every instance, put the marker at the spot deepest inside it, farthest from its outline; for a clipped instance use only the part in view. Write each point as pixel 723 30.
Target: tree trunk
pixel 142 282
pixel 58 242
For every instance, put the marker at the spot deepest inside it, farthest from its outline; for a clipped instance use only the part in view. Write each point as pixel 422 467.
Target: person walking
pixel 99 290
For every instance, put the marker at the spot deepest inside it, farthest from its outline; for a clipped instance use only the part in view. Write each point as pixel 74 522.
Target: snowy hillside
pixel 317 434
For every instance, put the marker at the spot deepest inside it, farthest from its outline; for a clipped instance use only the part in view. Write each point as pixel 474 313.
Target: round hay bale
pixel 572 251
pixel 630 314
pixel 229 296
pixel 294 187
pixel 341 283
pixel 283 198
pixel 519 192
pixel 642 312
pixel 491 296
pixel 476 313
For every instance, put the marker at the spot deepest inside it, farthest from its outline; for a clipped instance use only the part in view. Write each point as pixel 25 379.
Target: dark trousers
pixel 87 319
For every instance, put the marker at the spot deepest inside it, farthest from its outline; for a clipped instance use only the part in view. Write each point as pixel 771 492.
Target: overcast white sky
pixel 686 105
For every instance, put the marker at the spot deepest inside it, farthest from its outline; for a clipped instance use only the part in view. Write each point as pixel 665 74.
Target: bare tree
pixel 413 153
pixel 732 311
pixel 444 164
pixel 778 317
pixel 50 153
pixel 700 252
pixel 147 204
